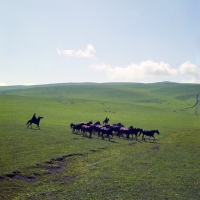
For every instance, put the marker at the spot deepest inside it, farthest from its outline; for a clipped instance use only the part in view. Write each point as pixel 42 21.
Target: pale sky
pixel 61 41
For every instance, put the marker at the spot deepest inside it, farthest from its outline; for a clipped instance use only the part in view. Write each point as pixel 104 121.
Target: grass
pixel 53 163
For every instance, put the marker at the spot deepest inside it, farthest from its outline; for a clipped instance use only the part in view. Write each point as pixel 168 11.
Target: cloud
pixel 29 84
pixel 135 72
pixel 3 84
pixel 190 72
pixel 145 71
pixel 192 80
pixel 87 53
pixel 188 68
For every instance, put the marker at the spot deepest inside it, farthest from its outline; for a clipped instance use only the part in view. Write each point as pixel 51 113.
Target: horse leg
pixel 83 133
pixel 143 137
pixel 38 125
pixel 28 123
pixel 127 136
pixel 90 134
pixel 132 136
pixel 99 134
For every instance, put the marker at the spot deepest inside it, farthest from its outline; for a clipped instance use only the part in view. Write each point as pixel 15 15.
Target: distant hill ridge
pixel 82 83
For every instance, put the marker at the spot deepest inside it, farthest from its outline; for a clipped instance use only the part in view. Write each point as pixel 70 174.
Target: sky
pixel 62 41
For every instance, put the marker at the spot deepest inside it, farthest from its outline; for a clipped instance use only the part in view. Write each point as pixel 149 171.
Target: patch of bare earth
pixel 18 176
pixel 53 166
pixel 156 148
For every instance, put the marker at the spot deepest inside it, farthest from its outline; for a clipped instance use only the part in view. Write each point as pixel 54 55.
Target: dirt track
pixel 196 105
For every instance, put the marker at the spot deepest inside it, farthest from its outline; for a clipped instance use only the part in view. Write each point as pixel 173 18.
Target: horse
pixel 89 129
pixel 97 123
pixel 123 131
pixel 97 129
pixel 76 127
pixel 106 131
pixel 95 126
pixel 34 121
pixel 149 133
pixel 86 123
pixel 116 128
pixel 106 121
pixel 134 131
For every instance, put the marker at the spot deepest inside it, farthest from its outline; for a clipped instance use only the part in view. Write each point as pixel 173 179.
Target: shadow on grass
pixel 34 129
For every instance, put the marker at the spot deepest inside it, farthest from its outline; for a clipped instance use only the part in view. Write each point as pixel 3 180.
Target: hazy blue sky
pixel 56 41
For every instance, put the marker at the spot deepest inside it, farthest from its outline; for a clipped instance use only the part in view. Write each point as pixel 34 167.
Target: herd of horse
pixel 109 131
pixel 104 130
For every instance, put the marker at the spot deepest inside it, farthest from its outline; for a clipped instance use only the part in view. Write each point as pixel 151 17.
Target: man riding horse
pixel 34 120
pixel 34 117
pixel 105 122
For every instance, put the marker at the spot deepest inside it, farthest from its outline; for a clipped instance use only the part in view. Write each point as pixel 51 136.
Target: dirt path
pixel 196 105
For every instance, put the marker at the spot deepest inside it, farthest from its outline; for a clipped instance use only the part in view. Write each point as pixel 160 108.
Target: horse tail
pixel 71 125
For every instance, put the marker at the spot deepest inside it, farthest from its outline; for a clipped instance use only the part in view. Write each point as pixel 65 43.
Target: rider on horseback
pixel 34 120
pixel 34 117
pixel 106 121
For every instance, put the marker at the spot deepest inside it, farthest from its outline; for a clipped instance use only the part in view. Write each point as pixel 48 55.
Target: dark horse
pixel 134 131
pixel 149 133
pixel 34 121
pixel 105 121
pixel 78 127
pixel 106 132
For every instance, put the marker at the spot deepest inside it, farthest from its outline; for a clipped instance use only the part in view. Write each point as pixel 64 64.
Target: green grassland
pixel 54 163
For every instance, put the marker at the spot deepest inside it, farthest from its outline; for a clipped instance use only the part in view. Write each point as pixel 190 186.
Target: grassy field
pixel 54 163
